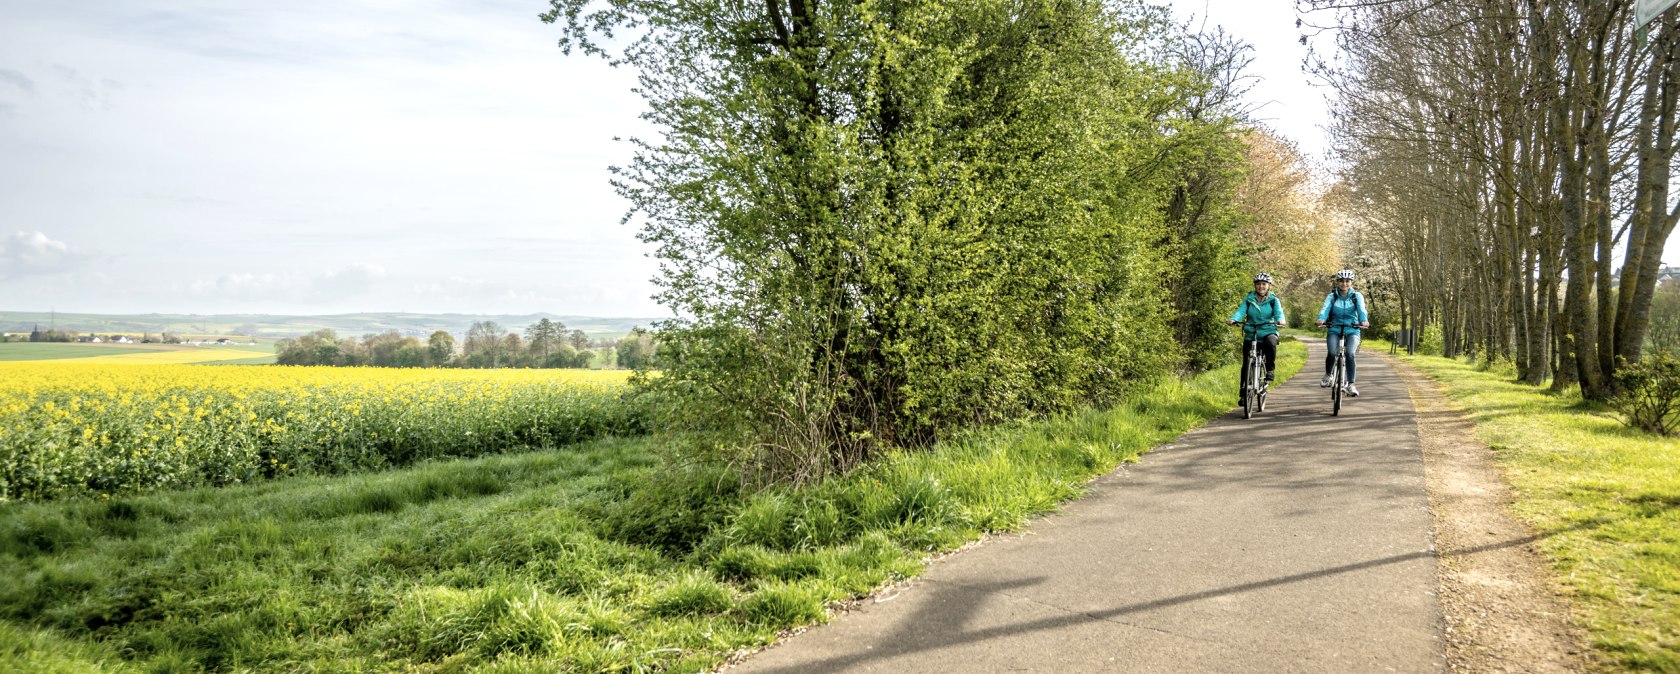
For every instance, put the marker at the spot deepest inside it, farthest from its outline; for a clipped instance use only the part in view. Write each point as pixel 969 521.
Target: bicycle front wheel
pixel 1336 391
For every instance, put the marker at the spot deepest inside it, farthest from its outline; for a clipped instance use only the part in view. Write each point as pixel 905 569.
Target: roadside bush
pixel 1650 394
pixel 1431 342
pixel 939 245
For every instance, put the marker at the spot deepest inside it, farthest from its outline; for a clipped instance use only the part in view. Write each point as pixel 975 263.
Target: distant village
pixel 67 336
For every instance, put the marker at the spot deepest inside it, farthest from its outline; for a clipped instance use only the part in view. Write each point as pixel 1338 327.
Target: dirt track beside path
pixel 1502 608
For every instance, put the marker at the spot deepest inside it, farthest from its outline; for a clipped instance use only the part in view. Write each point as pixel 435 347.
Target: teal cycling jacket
pixel 1344 314
pixel 1257 312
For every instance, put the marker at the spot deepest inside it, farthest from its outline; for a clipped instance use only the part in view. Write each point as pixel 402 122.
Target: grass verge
pixel 595 557
pixel 1604 498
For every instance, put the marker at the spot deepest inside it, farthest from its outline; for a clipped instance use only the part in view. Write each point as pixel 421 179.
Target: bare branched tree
pixel 1506 155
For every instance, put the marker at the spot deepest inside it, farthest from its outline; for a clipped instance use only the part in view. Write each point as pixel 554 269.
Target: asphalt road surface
pixel 1291 542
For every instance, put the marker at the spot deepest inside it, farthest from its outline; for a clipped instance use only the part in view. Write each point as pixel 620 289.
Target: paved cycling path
pixel 1293 542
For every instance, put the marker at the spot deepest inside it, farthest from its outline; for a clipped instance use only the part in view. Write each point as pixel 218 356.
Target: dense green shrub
pixel 1650 393
pixel 885 224
pixel 1431 342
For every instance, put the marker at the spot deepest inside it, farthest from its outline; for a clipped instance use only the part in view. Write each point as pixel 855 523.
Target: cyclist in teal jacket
pixel 1344 312
pixel 1262 312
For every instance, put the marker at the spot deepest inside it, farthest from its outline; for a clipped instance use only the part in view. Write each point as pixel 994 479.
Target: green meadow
pixel 261 353
pixel 1604 499
pixel 16 351
pixel 590 557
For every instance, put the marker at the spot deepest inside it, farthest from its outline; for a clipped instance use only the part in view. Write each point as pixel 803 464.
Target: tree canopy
pixel 884 222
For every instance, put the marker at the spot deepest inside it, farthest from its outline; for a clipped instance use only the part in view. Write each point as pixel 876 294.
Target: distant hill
pixel 267 325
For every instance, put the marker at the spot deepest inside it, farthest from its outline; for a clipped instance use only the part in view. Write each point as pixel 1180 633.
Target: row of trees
pixel 883 223
pixel 543 344
pixel 1502 158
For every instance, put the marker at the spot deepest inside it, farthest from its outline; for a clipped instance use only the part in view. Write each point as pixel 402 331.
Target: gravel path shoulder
pixel 1504 612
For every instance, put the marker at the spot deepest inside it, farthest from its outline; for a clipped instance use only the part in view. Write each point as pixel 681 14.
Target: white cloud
pixel 34 253
pixel 468 291
pixel 246 286
pixel 349 281
pixel 90 94
pixel 17 79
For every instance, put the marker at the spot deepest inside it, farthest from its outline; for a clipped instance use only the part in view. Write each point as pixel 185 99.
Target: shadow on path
pixel 971 597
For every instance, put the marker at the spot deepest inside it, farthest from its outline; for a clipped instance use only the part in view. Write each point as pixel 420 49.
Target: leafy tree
pixel 883 223
pixel 321 347
pixel 542 337
pixel 635 351
pixel 440 348
pixel 513 350
pixel 410 354
pixel 1286 219
pixel 381 349
pixel 1664 333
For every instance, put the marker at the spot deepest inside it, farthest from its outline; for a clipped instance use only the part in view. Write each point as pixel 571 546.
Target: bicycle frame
pixel 1253 388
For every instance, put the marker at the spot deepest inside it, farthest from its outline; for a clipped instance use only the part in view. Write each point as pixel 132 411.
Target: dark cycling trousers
pixel 1268 352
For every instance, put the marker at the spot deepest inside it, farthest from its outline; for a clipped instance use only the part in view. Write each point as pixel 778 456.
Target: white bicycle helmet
pixel 1344 274
pixel 1262 276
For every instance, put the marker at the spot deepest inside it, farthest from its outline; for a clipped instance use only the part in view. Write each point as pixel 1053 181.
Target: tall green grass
pixel 1604 498
pixel 596 557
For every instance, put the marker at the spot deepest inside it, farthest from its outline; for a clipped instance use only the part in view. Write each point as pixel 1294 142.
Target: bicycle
pixel 1253 389
pixel 1338 378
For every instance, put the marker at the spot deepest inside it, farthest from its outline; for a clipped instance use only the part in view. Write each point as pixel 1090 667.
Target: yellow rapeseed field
pixel 101 429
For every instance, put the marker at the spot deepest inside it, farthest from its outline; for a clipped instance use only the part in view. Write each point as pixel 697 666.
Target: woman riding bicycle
pixel 1344 313
pixel 1260 313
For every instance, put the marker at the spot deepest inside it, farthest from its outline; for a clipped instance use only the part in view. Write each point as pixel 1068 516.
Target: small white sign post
pixel 1646 10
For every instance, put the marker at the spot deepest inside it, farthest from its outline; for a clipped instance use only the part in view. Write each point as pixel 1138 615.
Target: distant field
pixel 13 351
pixel 260 325
pixel 137 353
pixel 259 360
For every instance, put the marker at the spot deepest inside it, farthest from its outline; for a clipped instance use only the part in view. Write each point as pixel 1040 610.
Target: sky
pixel 1283 97
pixel 315 156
